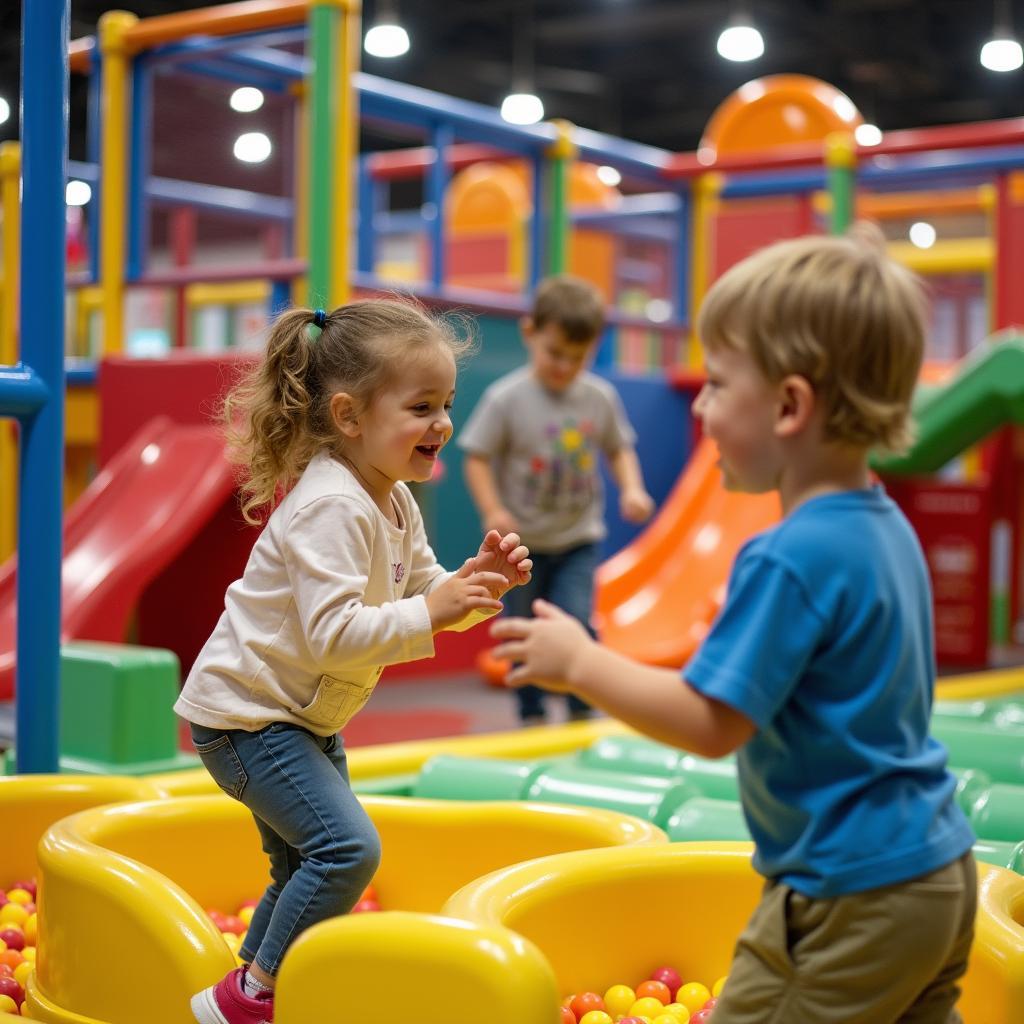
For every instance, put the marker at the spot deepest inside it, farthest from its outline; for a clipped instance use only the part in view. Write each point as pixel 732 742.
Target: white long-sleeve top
pixel 332 593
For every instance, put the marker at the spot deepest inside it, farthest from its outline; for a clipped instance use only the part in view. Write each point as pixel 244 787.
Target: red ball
pixel 365 907
pixel 235 925
pixel 568 1017
pixel 219 920
pixel 668 976
pixel 9 987
pixel 14 939
pixel 701 1017
pixel 711 1003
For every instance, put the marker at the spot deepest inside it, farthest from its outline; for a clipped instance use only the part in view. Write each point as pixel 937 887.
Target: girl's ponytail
pixel 268 415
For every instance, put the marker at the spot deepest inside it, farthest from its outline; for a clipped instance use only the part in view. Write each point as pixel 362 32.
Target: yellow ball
pixel 29 953
pixel 13 913
pixel 647 1007
pixel 693 995
pixel 31 929
pixel 234 942
pixel 596 1017
pixel 245 915
pixel 680 1012
pixel 22 971
pixel 8 1005
pixel 618 1000
pixel 19 896
pixel 666 1018
pixel 716 989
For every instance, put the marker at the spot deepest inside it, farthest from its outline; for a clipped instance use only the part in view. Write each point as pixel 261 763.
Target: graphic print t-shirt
pixel 544 449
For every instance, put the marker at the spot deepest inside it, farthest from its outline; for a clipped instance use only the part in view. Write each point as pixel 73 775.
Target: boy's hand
pixel 543 649
pixel 467 591
pixel 636 505
pixel 501 520
pixel 506 556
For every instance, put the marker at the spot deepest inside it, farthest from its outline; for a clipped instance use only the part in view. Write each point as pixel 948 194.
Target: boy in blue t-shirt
pixel 819 670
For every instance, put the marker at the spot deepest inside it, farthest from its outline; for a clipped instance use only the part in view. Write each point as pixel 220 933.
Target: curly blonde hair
pixel 838 312
pixel 278 416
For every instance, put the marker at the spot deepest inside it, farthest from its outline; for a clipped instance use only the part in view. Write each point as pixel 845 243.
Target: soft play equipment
pixel 141 874
pixel 132 521
pixel 602 915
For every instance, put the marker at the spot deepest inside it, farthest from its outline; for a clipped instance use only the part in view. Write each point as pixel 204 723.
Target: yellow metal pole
pixel 706 189
pixel 113 173
pixel 347 141
pixel 10 179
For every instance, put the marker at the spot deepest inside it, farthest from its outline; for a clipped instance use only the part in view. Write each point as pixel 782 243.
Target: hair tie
pixel 319 318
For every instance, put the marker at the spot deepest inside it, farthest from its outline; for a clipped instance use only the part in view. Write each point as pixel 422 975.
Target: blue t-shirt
pixel 825 643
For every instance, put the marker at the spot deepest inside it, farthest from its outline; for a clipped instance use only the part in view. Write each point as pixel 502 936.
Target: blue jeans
pixel 323 848
pixel 567 581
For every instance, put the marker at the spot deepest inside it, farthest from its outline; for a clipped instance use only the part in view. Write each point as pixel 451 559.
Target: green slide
pixel 986 393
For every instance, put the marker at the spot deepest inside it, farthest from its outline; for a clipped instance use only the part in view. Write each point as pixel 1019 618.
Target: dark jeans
pixel 323 848
pixel 567 581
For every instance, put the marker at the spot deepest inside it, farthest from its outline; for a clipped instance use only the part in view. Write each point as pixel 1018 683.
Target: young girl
pixel 345 408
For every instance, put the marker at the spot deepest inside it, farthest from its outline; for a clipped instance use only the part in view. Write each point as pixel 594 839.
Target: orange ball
pixel 11 957
pixel 585 1002
pixel 655 990
pixel 568 1017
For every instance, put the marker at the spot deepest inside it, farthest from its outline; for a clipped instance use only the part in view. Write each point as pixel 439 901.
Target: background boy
pixel 819 669
pixel 531 459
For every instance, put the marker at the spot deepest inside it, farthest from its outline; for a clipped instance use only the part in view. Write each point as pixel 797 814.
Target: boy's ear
pixel 526 327
pixel 344 414
pixel 796 405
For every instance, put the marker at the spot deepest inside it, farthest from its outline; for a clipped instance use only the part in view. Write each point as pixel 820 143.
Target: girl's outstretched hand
pixel 506 556
pixel 543 650
pixel 468 590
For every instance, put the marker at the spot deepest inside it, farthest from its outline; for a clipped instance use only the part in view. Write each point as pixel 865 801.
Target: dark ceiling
pixel 643 69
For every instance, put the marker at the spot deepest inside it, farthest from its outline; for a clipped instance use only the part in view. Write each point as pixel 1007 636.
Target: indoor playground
pixel 526 873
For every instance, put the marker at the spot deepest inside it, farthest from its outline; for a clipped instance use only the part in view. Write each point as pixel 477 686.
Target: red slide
pixel 134 519
pixel 657 597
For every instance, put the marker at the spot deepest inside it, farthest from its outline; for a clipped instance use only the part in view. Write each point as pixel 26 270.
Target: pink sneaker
pixel 227 1003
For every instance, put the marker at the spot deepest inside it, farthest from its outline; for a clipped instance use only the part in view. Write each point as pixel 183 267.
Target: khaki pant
pixel 876 957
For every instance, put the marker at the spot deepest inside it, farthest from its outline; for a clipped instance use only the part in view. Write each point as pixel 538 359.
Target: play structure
pixel 623 827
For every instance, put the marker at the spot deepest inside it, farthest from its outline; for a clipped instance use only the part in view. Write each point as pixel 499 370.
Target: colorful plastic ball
pixel 28 884
pixel 701 1017
pixel 366 907
pixel 710 1004
pixel 21 896
pixel 668 976
pixel 618 999
pixel 13 938
pixel 681 1013
pixel 8 1005
pixel 13 913
pixel 568 1017
pixel 12 958
pixel 22 971
pixel 31 929
pixel 596 1017
pixel 666 1018
pixel 29 953
pixel 584 1003
pixel 245 915
pixel 9 987
pixel 656 990
pixel 693 995
pixel 716 989
pixel 648 1006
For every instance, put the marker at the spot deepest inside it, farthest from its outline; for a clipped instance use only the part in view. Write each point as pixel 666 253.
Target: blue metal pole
pixel 44 142
pixel 681 284
pixel 280 296
pixel 139 143
pixel 365 197
pixel 437 188
pixel 537 234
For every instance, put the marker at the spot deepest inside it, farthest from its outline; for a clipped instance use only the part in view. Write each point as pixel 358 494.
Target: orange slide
pixel 133 520
pixel 657 597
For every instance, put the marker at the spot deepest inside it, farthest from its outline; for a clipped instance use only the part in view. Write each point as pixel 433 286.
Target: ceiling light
pixel 922 234
pixel 740 42
pixel 1002 55
pixel 253 147
pixel 609 175
pixel 246 99
pixel 867 134
pixel 77 193
pixel 386 40
pixel 522 108
pixel 5 110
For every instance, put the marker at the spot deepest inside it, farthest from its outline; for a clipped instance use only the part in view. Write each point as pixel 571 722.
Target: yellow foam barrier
pixel 124 889
pixel 600 916
pixel 34 802
pixel 433 970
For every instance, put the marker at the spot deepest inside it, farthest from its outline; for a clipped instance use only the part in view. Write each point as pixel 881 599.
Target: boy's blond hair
pixel 838 312
pixel 570 303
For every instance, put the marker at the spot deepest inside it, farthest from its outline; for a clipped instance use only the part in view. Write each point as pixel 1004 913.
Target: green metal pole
pixel 841 163
pixel 324 20
pixel 561 155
